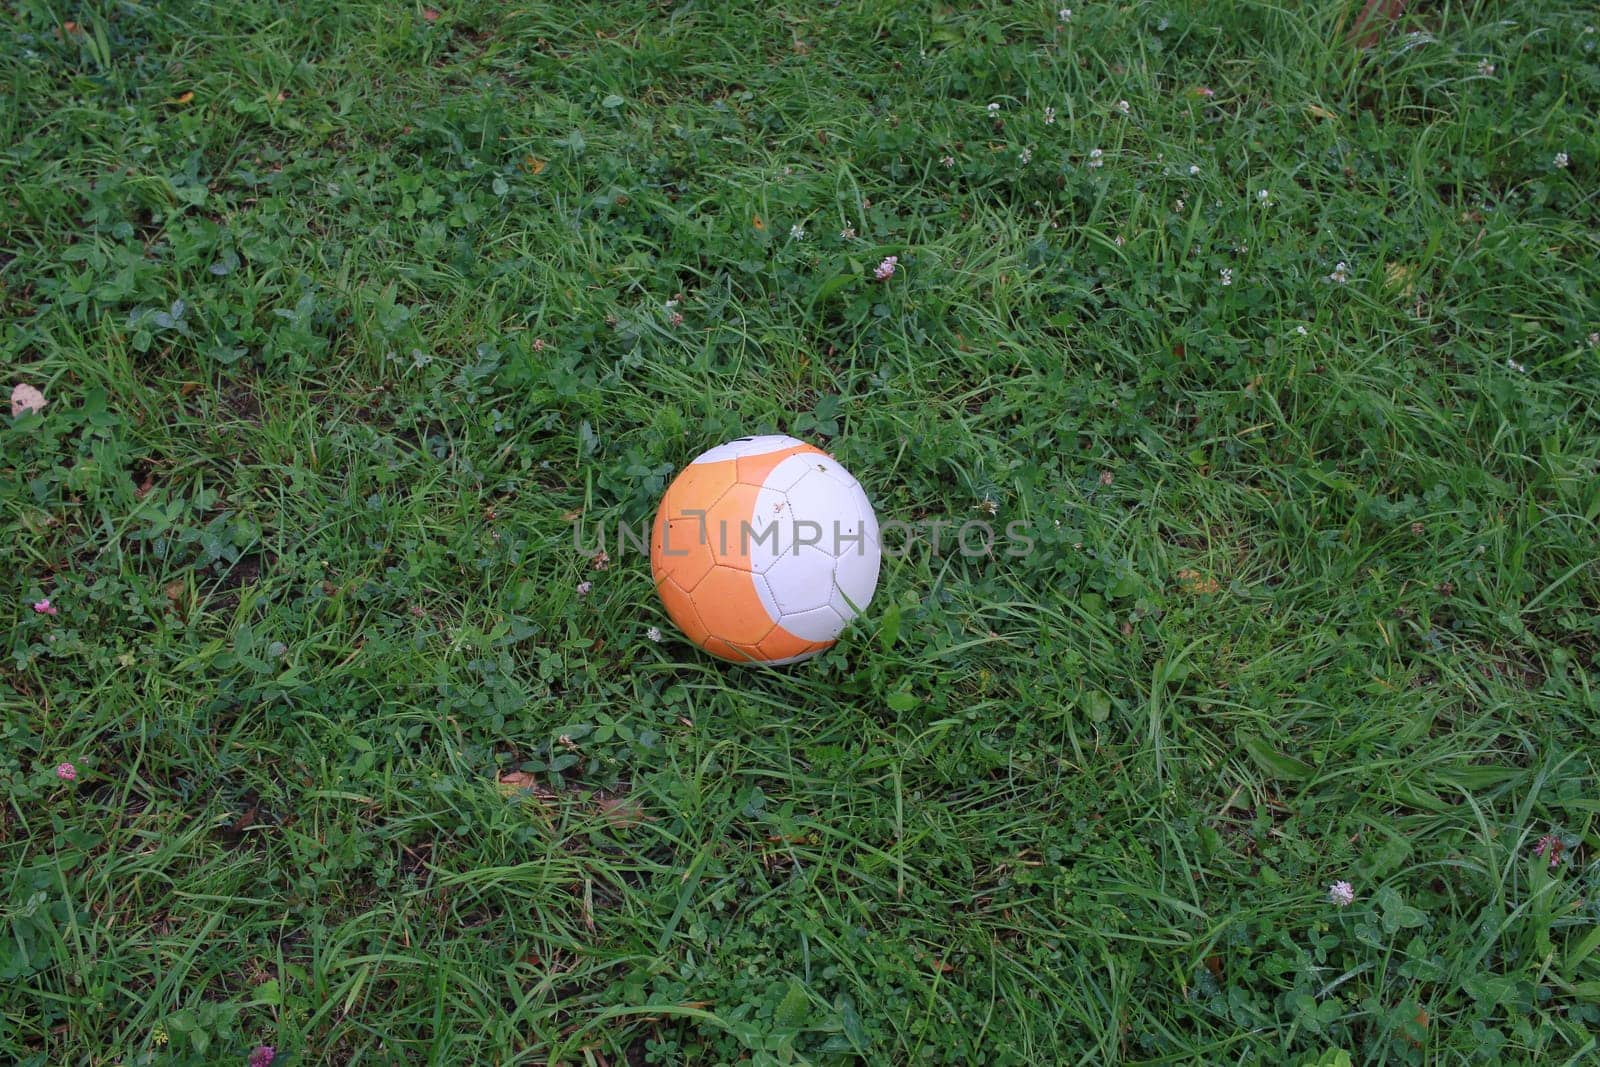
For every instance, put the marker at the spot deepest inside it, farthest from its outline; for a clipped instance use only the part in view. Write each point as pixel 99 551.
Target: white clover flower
pixel 1520 368
pixel 1301 330
pixel 1341 273
pixel 1097 158
pixel 1485 68
pixel 1263 197
pixel 948 161
pixel 994 108
pixel 1025 156
pixel 797 232
pixel 1194 170
pixel 1123 107
pixel 1342 894
pixel 1065 14
pixel 1561 160
pixel 1227 276
pixel 1049 116
pixel 847 234
pixel 654 634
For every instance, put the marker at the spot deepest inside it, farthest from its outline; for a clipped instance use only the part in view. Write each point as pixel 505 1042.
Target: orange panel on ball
pixel 681 607
pixel 718 647
pixel 679 545
pixel 747 654
pixel 700 484
pixel 753 470
pixel 678 551
pixel 781 644
pixel 730 608
pixel 729 523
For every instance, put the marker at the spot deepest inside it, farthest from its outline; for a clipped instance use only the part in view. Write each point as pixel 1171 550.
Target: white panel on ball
pixel 818 624
pixel 801 580
pixel 747 446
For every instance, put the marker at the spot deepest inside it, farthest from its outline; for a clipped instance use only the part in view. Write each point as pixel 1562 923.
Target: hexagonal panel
pixel 789 470
pixel 801 579
pixel 818 624
pixel 699 485
pixel 746 446
pixel 781 646
pixel 754 470
pixel 679 550
pixel 729 606
pixel 829 468
pixel 729 525
pixel 835 508
pixel 855 577
pixel 680 606
pixel 772 529
pixel 743 653
pixel 722 649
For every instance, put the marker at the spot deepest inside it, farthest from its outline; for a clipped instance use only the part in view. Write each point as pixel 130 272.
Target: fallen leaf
pixel 430 14
pixel 1399 276
pixel 534 165
pixel 189 388
pixel 25 398
pixel 1375 14
pixel 1320 112
pixel 513 782
pixel 182 98
pixel 1194 583
pixel 621 812
pixel 757 223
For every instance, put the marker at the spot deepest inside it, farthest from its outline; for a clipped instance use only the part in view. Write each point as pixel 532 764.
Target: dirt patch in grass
pixel 240 401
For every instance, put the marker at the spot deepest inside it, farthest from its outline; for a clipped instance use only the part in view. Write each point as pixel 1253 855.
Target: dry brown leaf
pixel 1194 583
pixel 182 98
pixel 513 782
pixel 757 223
pixel 430 14
pixel 534 165
pixel 621 812
pixel 1399 276
pixel 1375 17
pixel 25 398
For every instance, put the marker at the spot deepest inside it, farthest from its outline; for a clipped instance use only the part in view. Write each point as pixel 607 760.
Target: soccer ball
pixel 763 549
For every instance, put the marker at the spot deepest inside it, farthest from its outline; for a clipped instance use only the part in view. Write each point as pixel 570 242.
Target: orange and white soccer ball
pixel 763 549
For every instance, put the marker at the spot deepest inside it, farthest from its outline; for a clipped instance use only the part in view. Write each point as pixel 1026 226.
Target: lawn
pixel 355 321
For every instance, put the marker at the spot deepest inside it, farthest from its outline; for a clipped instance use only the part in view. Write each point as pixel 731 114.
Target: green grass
pixel 1313 595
